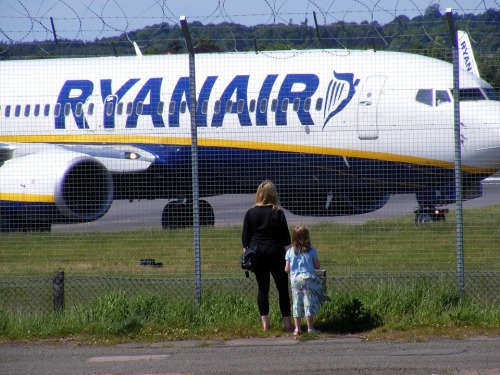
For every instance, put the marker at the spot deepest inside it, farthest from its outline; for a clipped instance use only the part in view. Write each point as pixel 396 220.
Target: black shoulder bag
pixel 249 258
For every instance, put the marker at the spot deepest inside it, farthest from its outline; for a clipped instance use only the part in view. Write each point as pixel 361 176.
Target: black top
pixel 266 227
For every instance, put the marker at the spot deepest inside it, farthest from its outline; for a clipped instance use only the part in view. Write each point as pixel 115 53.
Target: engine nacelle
pixel 55 186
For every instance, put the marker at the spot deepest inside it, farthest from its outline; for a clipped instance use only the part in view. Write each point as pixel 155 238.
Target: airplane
pixel 337 131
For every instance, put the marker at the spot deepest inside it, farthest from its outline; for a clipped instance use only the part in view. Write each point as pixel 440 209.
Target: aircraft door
pixel 368 107
pixel 110 109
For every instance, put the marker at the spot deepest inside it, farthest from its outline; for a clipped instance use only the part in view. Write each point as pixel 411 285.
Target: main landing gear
pixel 427 214
pixel 178 214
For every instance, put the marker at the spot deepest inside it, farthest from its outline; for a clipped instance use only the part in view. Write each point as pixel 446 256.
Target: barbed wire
pixel 92 20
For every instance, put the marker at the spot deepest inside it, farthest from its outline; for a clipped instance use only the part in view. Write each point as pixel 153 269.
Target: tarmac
pixel 271 355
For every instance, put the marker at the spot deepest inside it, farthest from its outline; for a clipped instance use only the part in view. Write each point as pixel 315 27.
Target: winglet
pixel 467 60
pixel 137 50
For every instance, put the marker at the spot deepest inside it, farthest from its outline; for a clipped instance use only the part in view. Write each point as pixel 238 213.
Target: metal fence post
pixel 458 155
pixel 194 160
pixel 58 290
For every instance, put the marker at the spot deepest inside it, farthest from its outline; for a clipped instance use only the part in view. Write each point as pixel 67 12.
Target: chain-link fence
pixel 44 295
pixel 96 154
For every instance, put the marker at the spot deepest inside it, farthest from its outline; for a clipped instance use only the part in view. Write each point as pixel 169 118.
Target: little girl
pixel 302 262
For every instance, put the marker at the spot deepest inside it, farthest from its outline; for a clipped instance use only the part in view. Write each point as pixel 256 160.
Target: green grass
pixel 387 246
pixel 376 305
pixel 372 312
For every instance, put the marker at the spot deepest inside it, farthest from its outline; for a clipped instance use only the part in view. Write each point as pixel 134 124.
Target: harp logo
pixel 340 92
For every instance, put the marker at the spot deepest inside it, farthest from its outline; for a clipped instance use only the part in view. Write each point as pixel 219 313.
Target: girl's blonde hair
pixel 301 240
pixel 266 195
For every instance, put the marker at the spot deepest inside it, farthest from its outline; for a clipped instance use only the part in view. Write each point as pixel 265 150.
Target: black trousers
pixel 275 266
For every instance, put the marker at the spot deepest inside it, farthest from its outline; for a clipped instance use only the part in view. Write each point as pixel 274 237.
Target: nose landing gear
pixel 429 214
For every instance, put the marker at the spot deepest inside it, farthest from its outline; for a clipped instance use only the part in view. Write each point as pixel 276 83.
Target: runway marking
pixel 125 358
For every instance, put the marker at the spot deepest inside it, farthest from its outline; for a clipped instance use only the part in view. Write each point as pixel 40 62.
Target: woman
pixel 265 225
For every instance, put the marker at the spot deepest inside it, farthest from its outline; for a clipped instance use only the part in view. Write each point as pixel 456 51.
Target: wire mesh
pixel 351 117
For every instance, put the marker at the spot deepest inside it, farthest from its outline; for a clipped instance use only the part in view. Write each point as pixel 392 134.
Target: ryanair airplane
pixel 337 131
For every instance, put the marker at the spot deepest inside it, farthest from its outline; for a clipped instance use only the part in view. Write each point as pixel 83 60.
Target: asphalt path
pixel 269 356
pixel 230 210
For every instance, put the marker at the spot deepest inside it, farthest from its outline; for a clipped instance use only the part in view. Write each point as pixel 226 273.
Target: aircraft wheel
pixel 176 215
pixel 421 218
pixel 207 216
pixel 440 217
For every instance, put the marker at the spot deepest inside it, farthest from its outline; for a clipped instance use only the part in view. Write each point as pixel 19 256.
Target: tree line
pixel 427 35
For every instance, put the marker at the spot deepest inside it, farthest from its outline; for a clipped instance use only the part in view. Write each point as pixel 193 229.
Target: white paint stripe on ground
pixel 124 358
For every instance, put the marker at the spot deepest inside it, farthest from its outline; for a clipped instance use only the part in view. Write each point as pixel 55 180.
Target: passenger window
pixel 296 104
pixel 130 106
pixel 284 105
pixel 67 109
pixel 252 105
pixel 241 105
pixel 319 104
pixel 119 108
pixel 424 96
pixel 17 111
pixel 36 110
pixel 274 105
pixel 79 109
pixel 7 111
pixel 204 107
pixel 27 110
pixel 90 109
pixel 442 97
pixel 229 104
pixel 171 108
pixel 160 107
pixel 307 104
pixel 138 110
pixel 109 108
pixel 57 109
pixel 46 110
pixel 217 107
pixel 263 106
pixel 183 106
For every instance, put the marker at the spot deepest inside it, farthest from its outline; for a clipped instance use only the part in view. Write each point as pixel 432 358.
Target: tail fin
pixel 467 60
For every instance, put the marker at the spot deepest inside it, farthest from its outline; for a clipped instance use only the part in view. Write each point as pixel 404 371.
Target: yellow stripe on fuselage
pixel 226 143
pixel 19 197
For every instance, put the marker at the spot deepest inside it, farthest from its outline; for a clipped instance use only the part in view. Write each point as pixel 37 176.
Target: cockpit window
pixel 471 94
pixel 491 94
pixel 442 97
pixel 424 96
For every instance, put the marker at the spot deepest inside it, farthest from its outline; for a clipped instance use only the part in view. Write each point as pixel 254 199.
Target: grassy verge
pixel 384 311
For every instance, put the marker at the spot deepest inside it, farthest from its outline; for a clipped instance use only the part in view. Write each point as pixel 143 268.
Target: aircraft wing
pixel 116 158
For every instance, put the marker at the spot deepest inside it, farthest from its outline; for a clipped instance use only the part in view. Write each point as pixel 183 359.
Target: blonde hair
pixel 301 240
pixel 266 195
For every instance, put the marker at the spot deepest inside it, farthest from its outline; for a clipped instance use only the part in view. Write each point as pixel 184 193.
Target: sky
pixel 28 20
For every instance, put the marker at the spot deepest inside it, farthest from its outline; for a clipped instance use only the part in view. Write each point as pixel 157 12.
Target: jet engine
pixel 53 186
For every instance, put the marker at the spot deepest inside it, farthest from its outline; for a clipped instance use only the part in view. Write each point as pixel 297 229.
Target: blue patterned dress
pixel 305 283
